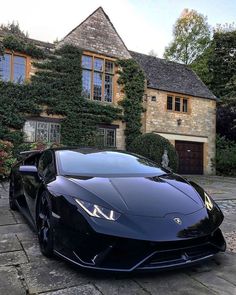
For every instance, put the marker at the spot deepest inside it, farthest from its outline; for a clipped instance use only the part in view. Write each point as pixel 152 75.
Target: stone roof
pixel 171 76
pixel 97 34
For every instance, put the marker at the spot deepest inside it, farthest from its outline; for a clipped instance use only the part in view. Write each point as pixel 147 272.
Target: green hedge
pixel 225 156
pixel 152 146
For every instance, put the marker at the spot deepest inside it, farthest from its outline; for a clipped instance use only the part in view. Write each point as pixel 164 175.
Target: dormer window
pixel 13 68
pixel 97 78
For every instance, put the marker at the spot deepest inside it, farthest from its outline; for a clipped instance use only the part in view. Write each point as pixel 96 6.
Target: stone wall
pixel 97 34
pixel 198 125
pixel 120 136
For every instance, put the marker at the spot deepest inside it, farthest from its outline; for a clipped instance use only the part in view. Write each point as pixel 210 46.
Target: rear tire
pixel 12 202
pixel 44 225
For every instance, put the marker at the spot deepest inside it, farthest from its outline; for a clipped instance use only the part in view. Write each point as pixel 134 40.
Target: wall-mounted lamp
pixel 179 121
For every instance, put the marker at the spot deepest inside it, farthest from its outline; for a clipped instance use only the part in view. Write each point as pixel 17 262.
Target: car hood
pixel 144 196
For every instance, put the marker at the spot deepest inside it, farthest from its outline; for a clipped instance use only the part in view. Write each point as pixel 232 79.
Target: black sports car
pixel 112 210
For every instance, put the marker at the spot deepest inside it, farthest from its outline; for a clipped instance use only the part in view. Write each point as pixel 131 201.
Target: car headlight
pixel 208 202
pixel 98 211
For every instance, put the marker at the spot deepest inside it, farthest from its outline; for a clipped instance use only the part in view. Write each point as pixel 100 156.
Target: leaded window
pixel 5 67
pixel 54 132
pixel 41 131
pixel 97 86
pixel 86 81
pixel 19 69
pixel 108 88
pixel 87 62
pixel 97 78
pixel 98 64
pixel 12 68
pixel 107 137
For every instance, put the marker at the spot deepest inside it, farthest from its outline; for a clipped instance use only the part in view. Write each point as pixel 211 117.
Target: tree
pixel 152 52
pixel 191 37
pixel 222 61
pixel 226 112
pixel 222 70
pixel 201 65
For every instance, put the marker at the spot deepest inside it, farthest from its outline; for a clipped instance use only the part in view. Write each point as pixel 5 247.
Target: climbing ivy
pixel 22 45
pixel 16 101
pixel 58 84
pixel 133 80
pixel 57 87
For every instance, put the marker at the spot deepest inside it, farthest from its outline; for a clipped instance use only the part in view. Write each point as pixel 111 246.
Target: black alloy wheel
pixel 44 225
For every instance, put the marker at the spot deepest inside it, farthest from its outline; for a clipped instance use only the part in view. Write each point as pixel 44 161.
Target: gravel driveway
pixel 23 270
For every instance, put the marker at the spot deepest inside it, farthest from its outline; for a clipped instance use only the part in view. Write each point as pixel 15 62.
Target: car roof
pixel 69 148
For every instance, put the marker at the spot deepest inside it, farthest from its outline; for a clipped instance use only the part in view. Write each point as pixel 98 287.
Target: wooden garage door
pixel 190 157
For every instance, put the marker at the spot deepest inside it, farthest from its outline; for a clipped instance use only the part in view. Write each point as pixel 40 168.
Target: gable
pixel 97 34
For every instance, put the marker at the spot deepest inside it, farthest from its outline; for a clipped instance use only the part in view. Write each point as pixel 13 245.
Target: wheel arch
pixel 39 193
pixel 41 190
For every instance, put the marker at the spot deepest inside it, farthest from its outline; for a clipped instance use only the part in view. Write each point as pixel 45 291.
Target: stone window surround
pixel 107 58
pixel 48 122
pixel 27 67
pixel 182 97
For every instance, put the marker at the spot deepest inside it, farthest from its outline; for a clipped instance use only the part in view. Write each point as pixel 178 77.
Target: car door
pixel 32 183
pixel 46 166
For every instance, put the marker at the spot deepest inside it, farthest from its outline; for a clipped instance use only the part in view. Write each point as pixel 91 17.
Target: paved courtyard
pixel 23 270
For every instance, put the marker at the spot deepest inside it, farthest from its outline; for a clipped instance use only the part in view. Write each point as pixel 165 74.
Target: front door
pixel 190 157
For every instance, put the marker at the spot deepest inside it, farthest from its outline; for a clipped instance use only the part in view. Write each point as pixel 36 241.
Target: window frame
pixel 27 64
pixel 182 98
pixel 105 135
pixel 49 123
pixel 104 73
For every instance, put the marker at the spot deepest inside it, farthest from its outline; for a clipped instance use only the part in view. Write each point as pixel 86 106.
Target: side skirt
pixel 25 212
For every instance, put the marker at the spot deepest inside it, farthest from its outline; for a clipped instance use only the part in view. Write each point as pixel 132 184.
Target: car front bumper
pixel 136 242
pixel 109 253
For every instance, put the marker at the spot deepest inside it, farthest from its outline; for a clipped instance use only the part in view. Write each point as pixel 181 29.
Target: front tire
pixel 12 202
pixel 44 225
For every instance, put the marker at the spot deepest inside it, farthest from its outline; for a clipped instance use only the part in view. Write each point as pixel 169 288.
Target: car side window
pixel 46 166
pixel 32 160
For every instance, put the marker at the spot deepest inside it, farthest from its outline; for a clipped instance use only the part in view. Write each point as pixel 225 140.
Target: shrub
pixel 152 146
pixel 6 159
pixel 225 156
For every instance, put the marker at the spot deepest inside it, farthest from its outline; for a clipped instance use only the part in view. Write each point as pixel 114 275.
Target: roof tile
pixel 171 76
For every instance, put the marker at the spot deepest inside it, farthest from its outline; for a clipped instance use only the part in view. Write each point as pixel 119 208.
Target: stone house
pixel 178 105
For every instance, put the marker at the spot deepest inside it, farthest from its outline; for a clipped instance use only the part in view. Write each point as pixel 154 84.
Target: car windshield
pixel 105 164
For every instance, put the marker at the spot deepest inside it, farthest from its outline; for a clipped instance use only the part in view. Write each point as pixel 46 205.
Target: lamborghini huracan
pixel 113 210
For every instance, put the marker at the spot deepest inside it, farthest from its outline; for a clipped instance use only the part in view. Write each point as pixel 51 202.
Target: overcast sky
pixel 142 24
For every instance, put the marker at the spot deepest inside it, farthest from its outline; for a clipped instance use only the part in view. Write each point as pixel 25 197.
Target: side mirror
pixel 28 170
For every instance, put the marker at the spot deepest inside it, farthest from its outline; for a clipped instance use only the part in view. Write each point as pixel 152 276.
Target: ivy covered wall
pixel 57 84
pixel 133 80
